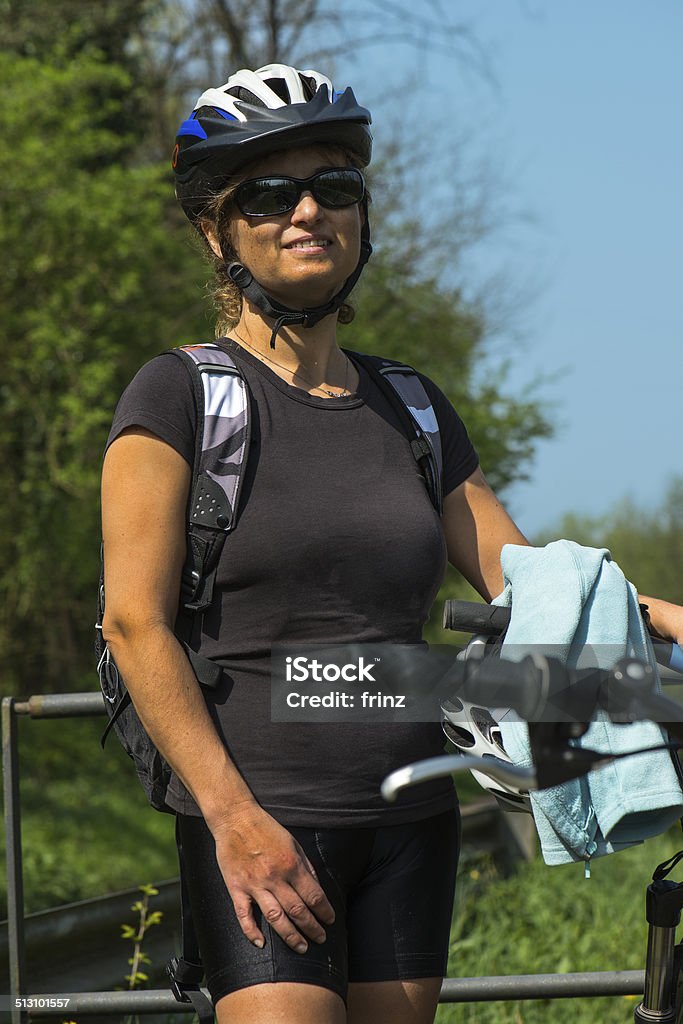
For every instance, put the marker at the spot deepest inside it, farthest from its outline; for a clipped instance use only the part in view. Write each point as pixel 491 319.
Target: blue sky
pixel 584 125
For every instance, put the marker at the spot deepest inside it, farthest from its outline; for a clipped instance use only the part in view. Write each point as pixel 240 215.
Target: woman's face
pixel 302 257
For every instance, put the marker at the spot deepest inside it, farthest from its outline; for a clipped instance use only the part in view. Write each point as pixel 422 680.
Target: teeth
pixel 310 243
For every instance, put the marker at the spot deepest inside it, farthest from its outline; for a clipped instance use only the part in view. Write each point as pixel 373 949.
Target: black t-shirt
pixel 336 542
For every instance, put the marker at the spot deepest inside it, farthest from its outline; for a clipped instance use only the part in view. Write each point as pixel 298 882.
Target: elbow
pixel 125 632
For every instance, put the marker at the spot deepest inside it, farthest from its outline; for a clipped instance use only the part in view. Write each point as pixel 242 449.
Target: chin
pixel 305 294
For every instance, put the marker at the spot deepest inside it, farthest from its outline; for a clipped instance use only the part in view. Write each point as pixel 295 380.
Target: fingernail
pixel 259 943
pixel 301 948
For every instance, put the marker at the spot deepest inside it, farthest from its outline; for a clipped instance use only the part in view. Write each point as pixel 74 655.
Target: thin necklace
pixel 344 393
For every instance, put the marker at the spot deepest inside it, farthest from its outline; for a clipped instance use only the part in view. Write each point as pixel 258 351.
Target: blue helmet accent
pixel 192 127
pixel 223 113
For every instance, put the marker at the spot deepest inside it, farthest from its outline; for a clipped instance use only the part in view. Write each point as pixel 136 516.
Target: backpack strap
pixel 186 972
pixel 407 395
pixel 221 447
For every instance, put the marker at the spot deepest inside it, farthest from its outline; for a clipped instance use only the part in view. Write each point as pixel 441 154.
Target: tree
pixel 100 275
pixel 89 250
pixel 40 29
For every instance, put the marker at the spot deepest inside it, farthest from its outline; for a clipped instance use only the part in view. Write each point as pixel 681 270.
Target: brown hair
pixel 226 296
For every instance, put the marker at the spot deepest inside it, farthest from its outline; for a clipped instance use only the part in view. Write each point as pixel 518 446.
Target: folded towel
pixel 574 603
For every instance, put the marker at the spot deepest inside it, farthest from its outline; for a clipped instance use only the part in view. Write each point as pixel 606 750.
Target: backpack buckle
pixel 420 448
pixel 183 976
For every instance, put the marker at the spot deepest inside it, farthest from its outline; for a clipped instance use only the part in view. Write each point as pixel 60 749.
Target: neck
pixel 314 350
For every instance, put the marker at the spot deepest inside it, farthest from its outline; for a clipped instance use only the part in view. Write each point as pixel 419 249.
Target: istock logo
pixel 303 670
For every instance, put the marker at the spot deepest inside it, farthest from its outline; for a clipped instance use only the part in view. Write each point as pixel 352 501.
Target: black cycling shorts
pixel 392 893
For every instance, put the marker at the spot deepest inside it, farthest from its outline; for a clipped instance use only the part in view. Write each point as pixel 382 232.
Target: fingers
pixel 290 918
pixel 312 893
pixel 316 900
pixel 294 915
pixel 245 916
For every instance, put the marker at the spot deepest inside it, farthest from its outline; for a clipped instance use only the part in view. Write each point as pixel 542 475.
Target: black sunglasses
pixel 334 188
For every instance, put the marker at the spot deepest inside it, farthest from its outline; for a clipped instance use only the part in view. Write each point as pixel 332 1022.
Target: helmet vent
pixel 279 87
pixel 459 736
pixel 452 704
pixel 247 96
pixel 497 738
pixel 310 86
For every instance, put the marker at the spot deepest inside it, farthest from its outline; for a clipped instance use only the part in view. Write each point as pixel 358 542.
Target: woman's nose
pixel 307 209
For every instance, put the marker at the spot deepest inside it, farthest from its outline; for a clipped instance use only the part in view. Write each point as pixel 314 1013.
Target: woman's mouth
pixel 309 244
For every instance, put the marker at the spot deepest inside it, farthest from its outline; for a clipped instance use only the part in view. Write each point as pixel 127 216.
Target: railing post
pixel 15 876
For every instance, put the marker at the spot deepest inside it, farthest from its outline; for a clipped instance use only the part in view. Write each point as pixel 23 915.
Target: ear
pixel 211 235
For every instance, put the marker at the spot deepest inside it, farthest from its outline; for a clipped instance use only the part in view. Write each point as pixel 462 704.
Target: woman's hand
pixel 665 619
pixel 263 864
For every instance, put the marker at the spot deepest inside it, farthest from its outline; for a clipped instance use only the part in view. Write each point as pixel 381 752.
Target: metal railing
pixel 24 1005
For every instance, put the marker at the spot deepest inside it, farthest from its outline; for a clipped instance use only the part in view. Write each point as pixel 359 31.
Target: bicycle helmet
pixel 476 731
pixel 254 114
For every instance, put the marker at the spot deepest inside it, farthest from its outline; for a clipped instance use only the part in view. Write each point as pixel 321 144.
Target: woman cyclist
pixel 313 901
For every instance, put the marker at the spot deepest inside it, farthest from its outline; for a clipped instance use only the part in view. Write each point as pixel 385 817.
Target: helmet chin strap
pixel 284 315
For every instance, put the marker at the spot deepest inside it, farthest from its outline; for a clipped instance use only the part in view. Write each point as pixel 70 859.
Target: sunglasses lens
pixel 339 188
pixel 263 197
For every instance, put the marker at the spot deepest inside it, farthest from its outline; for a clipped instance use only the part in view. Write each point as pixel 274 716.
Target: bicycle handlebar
pixel 493 620
pixel 542 689
pixel 558 703
pixel 436 767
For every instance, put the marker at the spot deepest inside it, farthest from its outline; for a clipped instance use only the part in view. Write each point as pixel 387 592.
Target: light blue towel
pixel 564 597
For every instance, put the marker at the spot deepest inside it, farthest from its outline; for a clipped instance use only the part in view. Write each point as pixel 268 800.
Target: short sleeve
pixel 460 458
pixel 160 399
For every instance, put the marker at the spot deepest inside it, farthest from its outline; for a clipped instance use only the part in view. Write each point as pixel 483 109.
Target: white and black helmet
pixel 476 731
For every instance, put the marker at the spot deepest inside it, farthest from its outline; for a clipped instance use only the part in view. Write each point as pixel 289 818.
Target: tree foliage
pixel 94 283
pixel 647 543
pixel 100 274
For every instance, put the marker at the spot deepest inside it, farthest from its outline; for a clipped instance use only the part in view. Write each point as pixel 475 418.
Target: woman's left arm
pixel 476 527
pixel 664 619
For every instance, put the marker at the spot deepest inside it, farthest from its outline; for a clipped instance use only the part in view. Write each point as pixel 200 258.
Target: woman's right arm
pixel 145 485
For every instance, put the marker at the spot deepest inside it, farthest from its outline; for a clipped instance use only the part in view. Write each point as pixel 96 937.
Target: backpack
pixel 221 445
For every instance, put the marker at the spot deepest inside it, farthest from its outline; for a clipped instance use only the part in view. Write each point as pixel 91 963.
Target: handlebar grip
pixel 525 686
pixel 492 620
pixel 474 617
